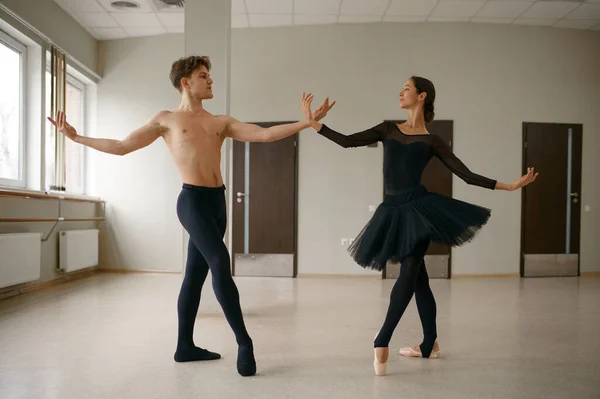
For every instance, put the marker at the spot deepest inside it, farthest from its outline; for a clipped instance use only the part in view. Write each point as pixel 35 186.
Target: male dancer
pixel 194 137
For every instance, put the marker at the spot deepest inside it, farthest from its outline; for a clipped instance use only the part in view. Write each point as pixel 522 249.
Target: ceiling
pixel 153 17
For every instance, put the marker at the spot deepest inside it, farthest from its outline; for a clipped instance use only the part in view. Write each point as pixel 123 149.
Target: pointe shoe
pixel 380 360
pixel 415 351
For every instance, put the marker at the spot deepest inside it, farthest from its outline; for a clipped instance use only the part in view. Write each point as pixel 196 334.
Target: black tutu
pixel 410 216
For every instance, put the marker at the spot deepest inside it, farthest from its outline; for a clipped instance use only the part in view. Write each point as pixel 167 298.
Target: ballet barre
pixel 47 196
pixel 60 219
pixel 55 220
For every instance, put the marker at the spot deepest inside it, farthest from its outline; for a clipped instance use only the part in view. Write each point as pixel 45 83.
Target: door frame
pixel 578 126
pixel 296 184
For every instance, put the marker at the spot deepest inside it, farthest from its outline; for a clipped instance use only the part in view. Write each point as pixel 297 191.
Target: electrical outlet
pixel 344 241
pixel 587 208
pixel 372 208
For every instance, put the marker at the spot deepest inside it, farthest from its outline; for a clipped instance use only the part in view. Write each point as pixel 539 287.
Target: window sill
pixel 14 192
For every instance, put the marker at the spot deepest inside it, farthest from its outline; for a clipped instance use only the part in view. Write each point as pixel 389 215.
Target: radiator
pixel 20 258
pixel 78 249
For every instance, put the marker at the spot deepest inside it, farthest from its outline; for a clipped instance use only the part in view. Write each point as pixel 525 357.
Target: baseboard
pixel 127 271
pixel 9 293
pixel 501 275
pixel 325 276
pixel 590 274
pixel 378 276
pixel 31 287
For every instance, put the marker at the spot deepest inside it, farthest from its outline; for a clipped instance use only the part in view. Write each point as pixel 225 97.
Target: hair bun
pixel 429 112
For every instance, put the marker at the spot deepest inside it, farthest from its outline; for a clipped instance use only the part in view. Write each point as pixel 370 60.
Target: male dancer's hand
pixel 63 126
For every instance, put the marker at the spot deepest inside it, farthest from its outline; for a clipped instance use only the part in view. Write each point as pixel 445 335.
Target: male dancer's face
pixel 199 84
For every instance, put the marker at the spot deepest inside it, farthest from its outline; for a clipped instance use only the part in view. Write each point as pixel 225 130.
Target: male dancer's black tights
pixel 202 212
pixel 412 279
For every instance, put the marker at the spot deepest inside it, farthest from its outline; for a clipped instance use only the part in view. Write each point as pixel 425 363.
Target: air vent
pixel 173 3
pixel 170 5
pixel 125 5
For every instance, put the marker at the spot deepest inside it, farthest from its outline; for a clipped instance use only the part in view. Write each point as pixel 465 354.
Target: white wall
pixel 489 80
pixel 141 188
pixel 51 20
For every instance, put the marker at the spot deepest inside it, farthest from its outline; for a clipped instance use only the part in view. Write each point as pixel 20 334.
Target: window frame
pixel 74 81
pixel 83 114
pixel 15 45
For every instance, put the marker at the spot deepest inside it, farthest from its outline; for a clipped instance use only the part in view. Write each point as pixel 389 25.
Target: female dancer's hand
pixel 322 111
pixel 522 182
pixel 312 118
pixel 526 179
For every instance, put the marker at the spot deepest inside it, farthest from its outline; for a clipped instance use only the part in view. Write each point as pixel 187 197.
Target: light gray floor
pixel 112 336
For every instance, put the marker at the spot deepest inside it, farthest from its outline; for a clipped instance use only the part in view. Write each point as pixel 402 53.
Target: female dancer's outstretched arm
pixel 359 139
pixel 452 162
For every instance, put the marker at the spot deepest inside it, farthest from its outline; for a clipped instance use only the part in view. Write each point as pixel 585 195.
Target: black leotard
pixel 406 155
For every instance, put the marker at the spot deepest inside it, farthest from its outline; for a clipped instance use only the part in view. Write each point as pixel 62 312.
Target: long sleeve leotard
pixel 406 155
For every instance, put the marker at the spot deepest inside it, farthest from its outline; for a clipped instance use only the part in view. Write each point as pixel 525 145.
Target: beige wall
pixel 489 80
pixel 141 188
pixel 47 17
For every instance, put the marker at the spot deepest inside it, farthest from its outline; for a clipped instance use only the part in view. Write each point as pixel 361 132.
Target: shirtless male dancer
pixel 194 138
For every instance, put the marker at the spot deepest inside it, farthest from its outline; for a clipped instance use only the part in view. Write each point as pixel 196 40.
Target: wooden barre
pixel 23 220
pixel 24 194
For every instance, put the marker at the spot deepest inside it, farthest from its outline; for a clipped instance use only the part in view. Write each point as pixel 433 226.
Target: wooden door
pixel 265 207
pixel 551 207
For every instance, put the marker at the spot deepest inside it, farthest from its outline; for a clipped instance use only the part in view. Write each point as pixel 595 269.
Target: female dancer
pixel 410 217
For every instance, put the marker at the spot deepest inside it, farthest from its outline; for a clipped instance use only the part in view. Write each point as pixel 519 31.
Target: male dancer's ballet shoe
pixel 194 354
pixel 415 351
pixel 246 364
pixel 381 356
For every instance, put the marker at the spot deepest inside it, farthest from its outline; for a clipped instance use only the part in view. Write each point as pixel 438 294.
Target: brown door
pixel 438 179
pixel 265 207
pixel 551 207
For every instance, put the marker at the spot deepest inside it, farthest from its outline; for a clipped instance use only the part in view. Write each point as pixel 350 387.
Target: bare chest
pixel 195 131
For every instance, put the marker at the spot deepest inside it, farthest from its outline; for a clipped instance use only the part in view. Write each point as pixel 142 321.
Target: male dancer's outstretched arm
pixel 139 138
pixel 249 132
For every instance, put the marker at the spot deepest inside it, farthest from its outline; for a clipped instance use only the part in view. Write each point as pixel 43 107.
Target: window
pixel 12 99
pixel 73 165
pixel 50 153
pixel 74 160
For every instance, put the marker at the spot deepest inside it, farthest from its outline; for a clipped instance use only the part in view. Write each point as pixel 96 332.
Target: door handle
pixel 241 194
pixel 575 197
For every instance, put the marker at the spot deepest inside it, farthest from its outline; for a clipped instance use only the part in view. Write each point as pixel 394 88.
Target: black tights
pixel 412 279
pixel 202 212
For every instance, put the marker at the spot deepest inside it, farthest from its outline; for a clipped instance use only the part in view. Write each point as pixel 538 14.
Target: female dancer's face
pixel 409 98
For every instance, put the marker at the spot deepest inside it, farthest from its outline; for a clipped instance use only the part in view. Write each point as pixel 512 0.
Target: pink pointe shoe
pixel 380 360
pixel 415 351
